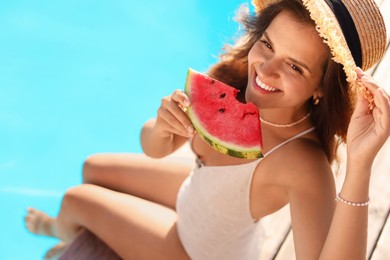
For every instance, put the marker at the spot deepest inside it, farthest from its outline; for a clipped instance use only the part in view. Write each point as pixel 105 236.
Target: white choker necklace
pixel 285 125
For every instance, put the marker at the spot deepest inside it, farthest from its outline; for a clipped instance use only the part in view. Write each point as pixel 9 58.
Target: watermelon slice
pixel 228 125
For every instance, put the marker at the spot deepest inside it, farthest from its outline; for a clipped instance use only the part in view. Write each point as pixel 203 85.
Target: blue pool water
pixel 81 77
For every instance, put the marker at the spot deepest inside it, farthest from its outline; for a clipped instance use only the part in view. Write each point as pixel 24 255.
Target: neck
pixel 291 124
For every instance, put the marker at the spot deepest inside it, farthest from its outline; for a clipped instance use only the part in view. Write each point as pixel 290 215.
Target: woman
pixel 146 208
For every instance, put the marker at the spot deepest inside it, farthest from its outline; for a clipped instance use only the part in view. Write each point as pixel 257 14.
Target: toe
pixel 38 222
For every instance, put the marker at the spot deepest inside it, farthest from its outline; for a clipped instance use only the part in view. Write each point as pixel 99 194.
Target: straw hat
pixel 354 30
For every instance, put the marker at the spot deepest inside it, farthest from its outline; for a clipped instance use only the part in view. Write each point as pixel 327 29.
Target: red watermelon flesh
pixel 228 125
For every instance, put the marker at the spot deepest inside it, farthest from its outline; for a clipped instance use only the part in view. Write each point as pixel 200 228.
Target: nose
pixel 269 68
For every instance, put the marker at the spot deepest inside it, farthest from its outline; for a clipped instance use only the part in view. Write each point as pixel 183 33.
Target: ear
pixel 318 93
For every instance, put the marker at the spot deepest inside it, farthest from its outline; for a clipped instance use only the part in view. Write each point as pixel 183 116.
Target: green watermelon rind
pixel 214 142
pixel 221 146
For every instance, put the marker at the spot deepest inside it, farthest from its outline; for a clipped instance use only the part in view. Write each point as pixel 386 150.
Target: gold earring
pixel 316 101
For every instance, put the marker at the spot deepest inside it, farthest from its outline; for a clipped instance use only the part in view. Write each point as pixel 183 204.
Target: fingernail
pixel 187 102
pixel 359 70
pixel 190 129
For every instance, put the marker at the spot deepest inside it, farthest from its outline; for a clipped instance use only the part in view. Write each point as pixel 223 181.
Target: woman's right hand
pixel 172 117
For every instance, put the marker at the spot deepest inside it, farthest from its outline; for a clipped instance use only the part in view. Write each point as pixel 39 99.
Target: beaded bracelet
pixel 355 204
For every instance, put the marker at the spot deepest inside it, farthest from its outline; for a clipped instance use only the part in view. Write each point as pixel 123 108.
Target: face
pixel 286 65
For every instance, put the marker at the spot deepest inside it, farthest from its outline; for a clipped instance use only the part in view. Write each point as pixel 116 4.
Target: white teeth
pixel 264 86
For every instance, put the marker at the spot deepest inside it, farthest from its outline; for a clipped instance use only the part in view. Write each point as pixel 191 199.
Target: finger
pixel 369 83
pixel 382 99
pixel 175 106
pixel 380 123
pixel 171 124
pixel 382 102
pixel 176 117
pixel 182 117
pixel 361 107
pixel 359 72
pixel 181 99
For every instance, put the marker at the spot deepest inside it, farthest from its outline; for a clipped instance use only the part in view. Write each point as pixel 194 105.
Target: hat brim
pixel 329 30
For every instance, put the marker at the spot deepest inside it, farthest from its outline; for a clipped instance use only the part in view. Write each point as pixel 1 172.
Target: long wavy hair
pixel 332 115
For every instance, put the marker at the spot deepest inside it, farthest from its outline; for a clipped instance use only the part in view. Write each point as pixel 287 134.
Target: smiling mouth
pixel 264 86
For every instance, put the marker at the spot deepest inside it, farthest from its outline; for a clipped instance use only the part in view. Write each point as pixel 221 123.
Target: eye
pixel 296 68
pixel 266 44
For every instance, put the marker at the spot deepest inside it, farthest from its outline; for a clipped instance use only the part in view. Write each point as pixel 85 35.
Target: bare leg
pixel 156 181
pixel 134 228
pixel 135 174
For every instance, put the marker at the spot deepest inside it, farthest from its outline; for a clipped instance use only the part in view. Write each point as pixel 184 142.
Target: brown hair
pixel 331 117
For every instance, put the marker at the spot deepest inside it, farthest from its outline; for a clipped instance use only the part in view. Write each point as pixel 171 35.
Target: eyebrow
pixel 300 63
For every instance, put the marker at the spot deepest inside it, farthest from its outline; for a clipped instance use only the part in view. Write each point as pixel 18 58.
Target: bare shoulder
pixel 300 162
pixel 294 173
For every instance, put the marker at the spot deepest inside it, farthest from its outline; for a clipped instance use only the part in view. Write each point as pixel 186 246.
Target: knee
pixel 74 196
pixel 69 201
pixel 71 195
pixel 74 212
pixel 89 168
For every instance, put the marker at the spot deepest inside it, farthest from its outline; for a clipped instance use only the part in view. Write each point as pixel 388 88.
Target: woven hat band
pixel 348 28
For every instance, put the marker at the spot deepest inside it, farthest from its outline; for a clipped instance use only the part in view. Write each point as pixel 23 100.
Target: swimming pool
pixel 81 77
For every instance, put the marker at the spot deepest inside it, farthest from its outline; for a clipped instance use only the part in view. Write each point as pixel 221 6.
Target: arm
pixel 347 238
pixel 311 199
pixel 171 128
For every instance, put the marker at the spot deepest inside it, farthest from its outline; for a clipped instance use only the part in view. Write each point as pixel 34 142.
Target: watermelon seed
pixel 223 95
pixel 221 110
pixel 212 81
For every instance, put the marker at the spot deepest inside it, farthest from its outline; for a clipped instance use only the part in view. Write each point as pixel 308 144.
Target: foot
pixel 56 251
pixel 39 223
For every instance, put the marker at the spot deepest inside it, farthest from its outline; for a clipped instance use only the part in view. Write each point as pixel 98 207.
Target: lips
pixel 264 86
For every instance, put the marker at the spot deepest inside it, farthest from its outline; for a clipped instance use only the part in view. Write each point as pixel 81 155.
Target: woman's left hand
pixel 368 130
